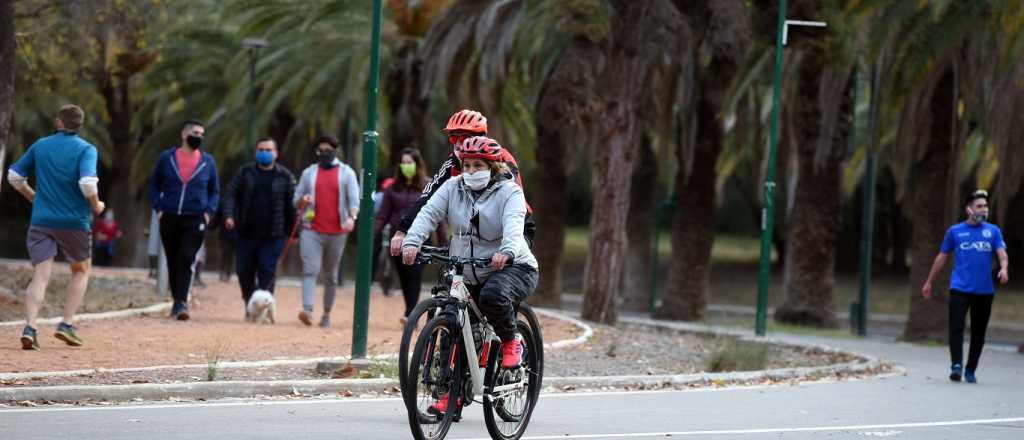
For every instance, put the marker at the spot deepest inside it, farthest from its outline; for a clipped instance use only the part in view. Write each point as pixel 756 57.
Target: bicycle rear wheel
pixel 435 376
pixel 507 413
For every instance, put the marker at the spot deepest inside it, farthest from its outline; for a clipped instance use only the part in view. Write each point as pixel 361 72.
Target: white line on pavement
pixel 774 430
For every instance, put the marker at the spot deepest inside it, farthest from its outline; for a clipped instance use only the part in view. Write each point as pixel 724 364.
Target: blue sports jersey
pixel 59 161
pixel 972 247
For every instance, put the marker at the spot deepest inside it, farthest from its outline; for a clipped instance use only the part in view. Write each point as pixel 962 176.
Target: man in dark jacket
pixel 258 205
pixel 184 192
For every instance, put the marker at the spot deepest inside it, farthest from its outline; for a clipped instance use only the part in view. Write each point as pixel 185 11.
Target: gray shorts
pixel 43 243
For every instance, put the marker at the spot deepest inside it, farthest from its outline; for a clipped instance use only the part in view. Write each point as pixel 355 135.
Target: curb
pixel 155 308
pixel 248 389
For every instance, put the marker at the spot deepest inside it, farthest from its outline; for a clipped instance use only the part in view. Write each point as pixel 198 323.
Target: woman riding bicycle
pixel 485 210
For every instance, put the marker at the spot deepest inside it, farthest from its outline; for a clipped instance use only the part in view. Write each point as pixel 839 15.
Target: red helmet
pixel 479 147
pixel 467 120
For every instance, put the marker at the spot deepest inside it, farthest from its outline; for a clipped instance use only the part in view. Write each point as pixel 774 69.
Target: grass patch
pixel 739 356
pixel 386 370
pixel 214 354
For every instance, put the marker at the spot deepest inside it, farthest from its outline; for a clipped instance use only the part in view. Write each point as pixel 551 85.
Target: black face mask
pixel 326 159
pixel 195 142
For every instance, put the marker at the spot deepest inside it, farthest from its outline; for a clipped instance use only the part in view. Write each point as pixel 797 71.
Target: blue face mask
pixel 264 158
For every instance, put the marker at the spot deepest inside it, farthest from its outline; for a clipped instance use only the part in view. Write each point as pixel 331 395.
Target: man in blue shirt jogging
pixel 65 169
pixel 971 288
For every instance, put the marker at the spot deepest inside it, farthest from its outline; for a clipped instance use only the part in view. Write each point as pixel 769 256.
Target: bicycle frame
pixel 459 293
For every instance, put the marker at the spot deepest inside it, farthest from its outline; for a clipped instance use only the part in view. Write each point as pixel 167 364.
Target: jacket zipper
pixel 184 185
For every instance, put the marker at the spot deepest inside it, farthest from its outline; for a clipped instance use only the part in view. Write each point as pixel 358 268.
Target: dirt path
pixel 218 328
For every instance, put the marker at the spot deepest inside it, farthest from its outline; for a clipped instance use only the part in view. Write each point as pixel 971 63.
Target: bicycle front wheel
pixel 434 382
pixel 513 392
pixel 417 319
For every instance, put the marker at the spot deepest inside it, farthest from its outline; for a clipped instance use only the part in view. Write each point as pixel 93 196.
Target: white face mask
pixel 477 181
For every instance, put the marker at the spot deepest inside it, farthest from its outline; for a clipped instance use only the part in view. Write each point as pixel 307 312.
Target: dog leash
pixel 295 227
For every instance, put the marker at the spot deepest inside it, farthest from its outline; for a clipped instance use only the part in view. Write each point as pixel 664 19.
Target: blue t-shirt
pixel 973 247
pixel 59 161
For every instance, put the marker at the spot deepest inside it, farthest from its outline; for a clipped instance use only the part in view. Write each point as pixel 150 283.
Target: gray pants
pixel 317 249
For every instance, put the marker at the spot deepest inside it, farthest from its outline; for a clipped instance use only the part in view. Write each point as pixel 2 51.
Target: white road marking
pixel 773 430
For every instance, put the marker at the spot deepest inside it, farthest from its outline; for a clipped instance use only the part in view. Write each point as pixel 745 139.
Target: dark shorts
pixel 43 244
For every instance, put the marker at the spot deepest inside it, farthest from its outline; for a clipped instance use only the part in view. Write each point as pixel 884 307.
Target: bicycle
pixel 445 361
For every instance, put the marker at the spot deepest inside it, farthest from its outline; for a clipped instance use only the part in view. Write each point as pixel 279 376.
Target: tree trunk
pixel 550 209
pixel 693 225
pixel 928 211
pixel 7 48
pixel 815 220
pixel 408 105
pixel 125 196
pixel 567 89
pixel 636 279
pixel 615 122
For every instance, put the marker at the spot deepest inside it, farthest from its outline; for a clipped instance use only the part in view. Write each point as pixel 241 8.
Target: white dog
pixel 261 307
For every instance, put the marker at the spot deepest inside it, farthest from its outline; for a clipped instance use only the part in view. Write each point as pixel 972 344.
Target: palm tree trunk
pixel 693 228
pixel 550 211
pixel 6 80
pixel 928 212
pixel 636 278
pixel 616 123
pixel 815 219
pixel 408 105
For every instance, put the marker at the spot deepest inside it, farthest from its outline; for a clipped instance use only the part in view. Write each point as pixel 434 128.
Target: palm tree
pixel 724 29
pixel 643 35
pixel 818 108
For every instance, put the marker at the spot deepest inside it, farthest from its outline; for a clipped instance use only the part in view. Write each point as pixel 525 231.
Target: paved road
pixel 922 404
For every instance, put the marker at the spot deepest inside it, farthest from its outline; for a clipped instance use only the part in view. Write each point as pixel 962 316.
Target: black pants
pixel 411 279
pixel 500 294
pixel 980 307
pixel 182 236
pixel 256 264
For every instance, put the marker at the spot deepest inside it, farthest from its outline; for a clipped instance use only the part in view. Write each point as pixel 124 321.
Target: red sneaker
pixel 441 406
pixel 511 353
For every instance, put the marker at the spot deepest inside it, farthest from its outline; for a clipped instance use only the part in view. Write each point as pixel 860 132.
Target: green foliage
pixel 739 356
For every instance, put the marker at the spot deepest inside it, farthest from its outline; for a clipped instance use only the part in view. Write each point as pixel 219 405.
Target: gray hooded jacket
pixel 500 210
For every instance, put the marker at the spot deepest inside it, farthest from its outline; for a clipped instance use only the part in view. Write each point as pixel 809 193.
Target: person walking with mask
pixel 258 204
pixel 65 171
pixel 184 192
pixel 328 195
pixel 971 288
pixel 409 179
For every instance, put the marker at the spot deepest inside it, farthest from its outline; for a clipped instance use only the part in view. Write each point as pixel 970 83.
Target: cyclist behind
pixel 461 126
pixel 485 210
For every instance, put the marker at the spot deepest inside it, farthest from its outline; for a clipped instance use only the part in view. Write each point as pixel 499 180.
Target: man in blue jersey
pixel 970 287
pixel 65 169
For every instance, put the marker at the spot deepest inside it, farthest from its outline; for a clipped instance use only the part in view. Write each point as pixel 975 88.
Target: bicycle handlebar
pixel 430 254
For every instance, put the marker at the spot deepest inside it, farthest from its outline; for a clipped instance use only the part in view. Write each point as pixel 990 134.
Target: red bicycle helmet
pixel 479 147
pixel 467 120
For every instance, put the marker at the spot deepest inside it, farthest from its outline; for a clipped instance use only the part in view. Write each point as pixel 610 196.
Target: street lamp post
pixel 254 45
pixel 362 303
pixel 768 209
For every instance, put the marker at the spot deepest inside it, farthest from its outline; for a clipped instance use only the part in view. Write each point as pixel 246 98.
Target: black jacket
pixel 240 192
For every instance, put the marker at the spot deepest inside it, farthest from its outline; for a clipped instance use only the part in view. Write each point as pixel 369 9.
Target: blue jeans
pixel 256 259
